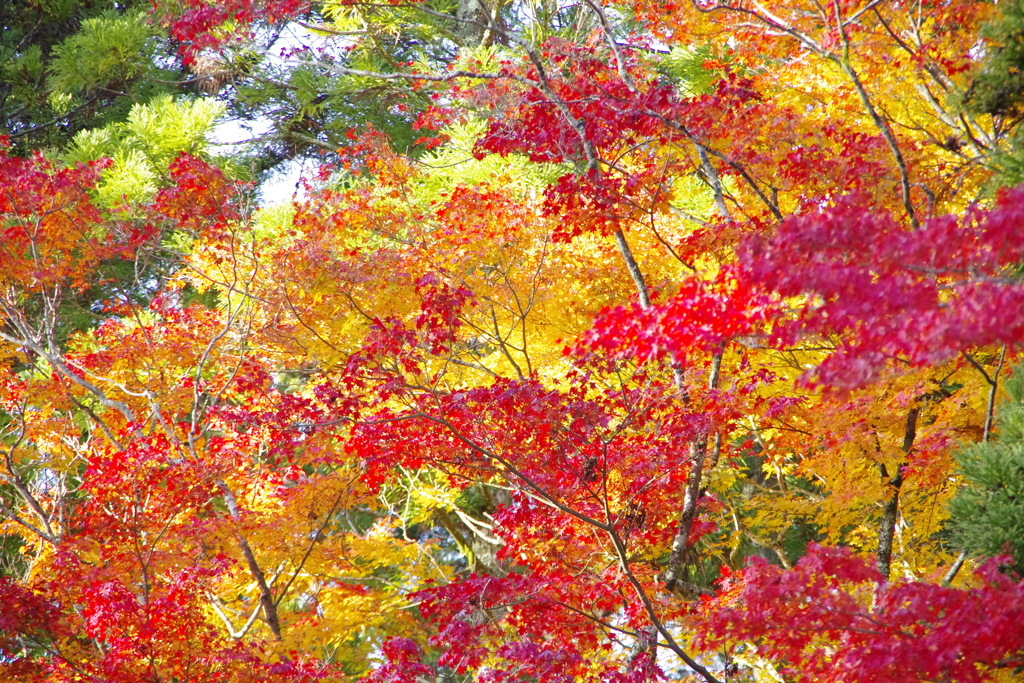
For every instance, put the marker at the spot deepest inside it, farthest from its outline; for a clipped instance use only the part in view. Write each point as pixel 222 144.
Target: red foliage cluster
pixel 49 214
pixel 922 296
pixel 201 198
pixel 616 462
pixel 199 25
pixel 700 317
pixel 833 617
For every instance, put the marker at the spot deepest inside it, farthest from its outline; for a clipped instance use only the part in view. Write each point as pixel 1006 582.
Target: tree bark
pixel 692 495
pixel 473 21
pixel 890 513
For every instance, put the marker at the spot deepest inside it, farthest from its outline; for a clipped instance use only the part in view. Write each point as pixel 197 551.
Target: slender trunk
pixel 887 529
pixel 473 22
pixel 699 446
pixel 266 596
pixel 693 493
pixel 890 513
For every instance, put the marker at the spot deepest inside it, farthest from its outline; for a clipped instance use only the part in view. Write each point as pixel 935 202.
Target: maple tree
pixel 657 361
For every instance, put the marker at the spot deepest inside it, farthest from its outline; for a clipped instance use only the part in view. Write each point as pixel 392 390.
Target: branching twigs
pixel 870 7
pixel 770 203
pixel 315 538
pixel 887 133
pixel 15 479
pixel 59 365
pixel 776 24
pixel 417 76
pixel 593 164
pixel 15 517
pixel 703 150
pixel 620 62
pixel 990 409
pixel 993 382
pixel 234 633
pixel 652 613
pixel 699 445
pixel 233 312
pixel 539 492
pixel 504 345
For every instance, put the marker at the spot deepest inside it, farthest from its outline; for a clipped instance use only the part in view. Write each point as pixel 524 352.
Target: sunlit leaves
pixel 922 296
pixel 510 423
pixel 832 617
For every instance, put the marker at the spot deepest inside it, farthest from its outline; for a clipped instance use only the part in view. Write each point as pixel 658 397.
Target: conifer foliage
pixel 989 508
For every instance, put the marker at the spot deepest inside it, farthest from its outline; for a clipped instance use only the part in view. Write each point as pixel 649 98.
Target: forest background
pixel 604 342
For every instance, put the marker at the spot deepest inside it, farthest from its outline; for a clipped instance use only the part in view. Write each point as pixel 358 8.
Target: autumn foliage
pixel 671 389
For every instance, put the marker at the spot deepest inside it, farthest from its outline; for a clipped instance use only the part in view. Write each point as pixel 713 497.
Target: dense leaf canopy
pixel 599 342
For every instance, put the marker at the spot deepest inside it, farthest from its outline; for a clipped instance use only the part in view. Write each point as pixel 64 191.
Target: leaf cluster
pixel 988 511
pixel 69 66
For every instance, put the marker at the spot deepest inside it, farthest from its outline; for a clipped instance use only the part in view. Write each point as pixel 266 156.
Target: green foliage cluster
pixel 997 89
pixel 998 86
pixel 68 65
pixel 143 146
pixel 688 68
pixel 988 511
pixel 461 167
pixel 291 77
pixel 104 53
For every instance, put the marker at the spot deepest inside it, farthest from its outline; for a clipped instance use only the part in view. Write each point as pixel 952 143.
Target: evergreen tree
pixel 997 89
pixel 70 65
pixel 988 511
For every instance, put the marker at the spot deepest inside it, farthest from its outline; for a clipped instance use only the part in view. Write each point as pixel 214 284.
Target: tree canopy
pixel 607 342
